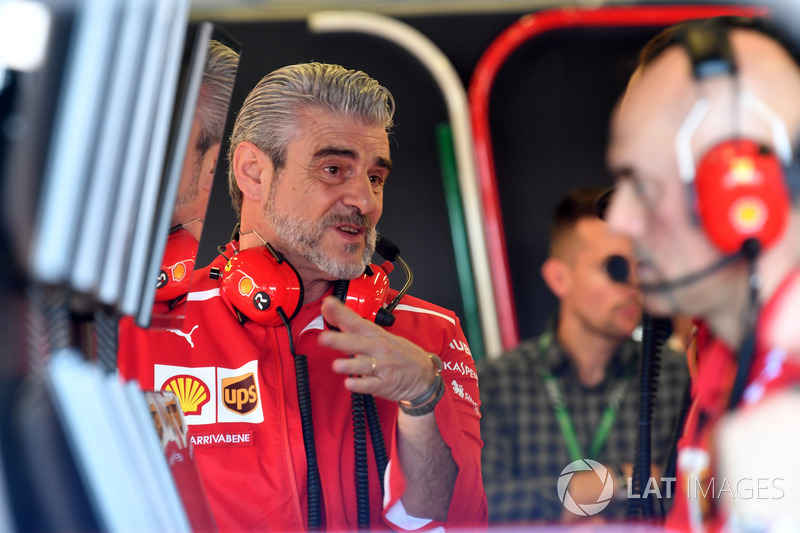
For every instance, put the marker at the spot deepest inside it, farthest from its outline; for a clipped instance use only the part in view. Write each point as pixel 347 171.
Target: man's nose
pixel 624 214
pixel 361 194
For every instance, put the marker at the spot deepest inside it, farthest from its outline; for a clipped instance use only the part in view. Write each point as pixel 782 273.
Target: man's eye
pixel 376 179
pixel 644 190
pixel 331 169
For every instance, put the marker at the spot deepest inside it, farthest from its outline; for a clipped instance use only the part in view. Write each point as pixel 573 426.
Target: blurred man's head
pixel 657 116
pixel 206 135
pixel 581 247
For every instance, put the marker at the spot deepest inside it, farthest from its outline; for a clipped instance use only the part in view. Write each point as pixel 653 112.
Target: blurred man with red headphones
pixel 273 371
pixel 702 149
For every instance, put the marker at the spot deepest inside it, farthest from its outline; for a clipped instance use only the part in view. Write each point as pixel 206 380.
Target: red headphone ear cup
pixel 257 284
pixel 177 265
pixel 368 293
pixel 741 193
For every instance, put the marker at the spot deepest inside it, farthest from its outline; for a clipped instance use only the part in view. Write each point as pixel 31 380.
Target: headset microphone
pixel 387 249
pixel 367 294
pixel 749 250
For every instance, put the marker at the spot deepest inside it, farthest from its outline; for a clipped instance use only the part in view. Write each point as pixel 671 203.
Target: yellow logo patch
pixel 192 393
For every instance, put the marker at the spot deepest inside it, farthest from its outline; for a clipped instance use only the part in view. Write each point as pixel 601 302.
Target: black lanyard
pixel 559 405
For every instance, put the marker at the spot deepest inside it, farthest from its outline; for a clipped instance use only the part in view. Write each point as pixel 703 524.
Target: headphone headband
pixel 709 49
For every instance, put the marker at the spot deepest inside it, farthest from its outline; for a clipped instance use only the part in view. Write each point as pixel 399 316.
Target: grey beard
pixel 304 237
pixel 191 194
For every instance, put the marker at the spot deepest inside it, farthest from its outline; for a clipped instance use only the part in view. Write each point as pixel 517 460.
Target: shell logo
pixel 178 271
pixel 190 391
pixel 742 171
pixel 246 286
pixel 748 215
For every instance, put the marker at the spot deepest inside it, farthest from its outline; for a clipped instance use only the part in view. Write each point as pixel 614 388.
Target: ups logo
pixel 239 394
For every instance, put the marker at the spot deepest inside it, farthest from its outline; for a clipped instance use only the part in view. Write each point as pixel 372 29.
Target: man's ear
pixel 556 275
pixel 251 167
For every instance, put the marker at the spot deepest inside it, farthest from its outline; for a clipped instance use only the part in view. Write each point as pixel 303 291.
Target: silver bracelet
pixel 437 389
pixel 425 402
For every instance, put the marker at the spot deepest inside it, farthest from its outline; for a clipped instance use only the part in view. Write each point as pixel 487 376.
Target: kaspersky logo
pixel 210 395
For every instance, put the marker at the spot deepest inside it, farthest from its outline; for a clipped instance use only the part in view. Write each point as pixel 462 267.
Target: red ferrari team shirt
pixel 237 388
pixel 695 507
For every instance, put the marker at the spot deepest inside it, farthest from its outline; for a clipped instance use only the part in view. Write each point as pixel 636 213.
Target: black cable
pixel 746 355
pixel 361 466
pixel 376 434
pixel 404 288
pixel 363 405
pixel 389 251
pixel 304 403
pixel 360 417
pixel 654 333
pixel 748 350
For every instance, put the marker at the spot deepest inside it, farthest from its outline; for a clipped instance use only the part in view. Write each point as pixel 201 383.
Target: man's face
pixel 324 204
pixel 194 188
pixel 189 187
pixel 603 306
pixel 651 204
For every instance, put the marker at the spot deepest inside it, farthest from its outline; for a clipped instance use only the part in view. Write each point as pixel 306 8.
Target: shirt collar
pixel 557 361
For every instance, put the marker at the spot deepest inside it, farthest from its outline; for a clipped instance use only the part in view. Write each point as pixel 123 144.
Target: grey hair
pixel 215 94
pixel 271 114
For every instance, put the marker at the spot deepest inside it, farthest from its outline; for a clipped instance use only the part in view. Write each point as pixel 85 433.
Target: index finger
pixel 339 316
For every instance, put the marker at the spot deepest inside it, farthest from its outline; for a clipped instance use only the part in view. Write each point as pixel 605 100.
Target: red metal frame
pixel 480 87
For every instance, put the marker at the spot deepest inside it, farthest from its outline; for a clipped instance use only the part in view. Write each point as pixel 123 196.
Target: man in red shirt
pixel 309 158
pixel 701 146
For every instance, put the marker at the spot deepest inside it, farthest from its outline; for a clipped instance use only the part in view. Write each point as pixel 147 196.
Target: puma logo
pixel 187 336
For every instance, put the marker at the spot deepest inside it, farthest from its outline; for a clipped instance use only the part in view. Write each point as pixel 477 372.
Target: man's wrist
pixel 426 402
